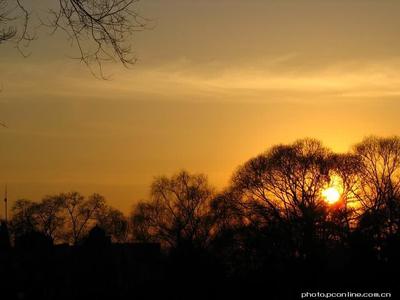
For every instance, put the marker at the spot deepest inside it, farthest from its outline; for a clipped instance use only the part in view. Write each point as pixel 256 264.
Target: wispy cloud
pixel 186 78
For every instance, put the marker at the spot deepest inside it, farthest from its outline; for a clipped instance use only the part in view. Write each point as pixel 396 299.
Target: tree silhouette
pixel 101 30
pixel 378 190
pixel 178 213
pixel 24 219
pixel 379 174
pixel 6 32
pixel 80 213
pixel 279 198
pixel 286 181
pixel 67 217
pixel 270 228
pixel 113 222
pixel 48 215
pixel 285 184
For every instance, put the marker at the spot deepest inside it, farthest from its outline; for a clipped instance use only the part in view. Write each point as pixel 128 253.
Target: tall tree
pixel 80 213
pixel 344 174
pixel 24 218
pixel 281 190
pixel 378 189
pixel 286 181
pixel 49 217
pixel 113 222
pixel 178 213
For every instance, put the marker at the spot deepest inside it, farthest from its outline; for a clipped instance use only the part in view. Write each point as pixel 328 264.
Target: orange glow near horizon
pixel 205 97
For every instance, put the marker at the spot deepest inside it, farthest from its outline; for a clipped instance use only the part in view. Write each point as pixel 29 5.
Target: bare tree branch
pixel 101 30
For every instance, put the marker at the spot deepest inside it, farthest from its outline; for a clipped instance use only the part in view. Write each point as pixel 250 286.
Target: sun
pixel 331 195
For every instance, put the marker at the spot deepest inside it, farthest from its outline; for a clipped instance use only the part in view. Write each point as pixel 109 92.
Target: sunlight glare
pixel 331 195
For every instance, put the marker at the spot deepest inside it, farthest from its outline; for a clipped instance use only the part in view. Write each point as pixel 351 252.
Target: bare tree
pixel 80 213
pixel 23 217
pixel 68 217
pixel 286 181
pixel 380 170
pixel 178 213
pixel 344 172
pixel 378 189
pixel 45 217
pixel 101 30
pixel 113 222
pixel 6 32
pixel 227 212
pixel 281 194
pixel 49 217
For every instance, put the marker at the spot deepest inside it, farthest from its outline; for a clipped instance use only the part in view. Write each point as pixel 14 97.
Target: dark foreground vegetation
pixel 269 235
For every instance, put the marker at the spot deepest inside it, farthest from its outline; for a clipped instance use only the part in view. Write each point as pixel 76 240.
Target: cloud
pixel 266 77
pixel 262 79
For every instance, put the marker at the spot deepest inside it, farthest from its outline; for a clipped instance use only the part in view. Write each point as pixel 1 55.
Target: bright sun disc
pixel 331 195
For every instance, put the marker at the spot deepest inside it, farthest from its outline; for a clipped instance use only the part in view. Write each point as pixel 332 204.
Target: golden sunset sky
pixel 217 82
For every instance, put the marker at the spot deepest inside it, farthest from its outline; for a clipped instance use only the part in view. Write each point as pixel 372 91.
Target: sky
pixel 216 83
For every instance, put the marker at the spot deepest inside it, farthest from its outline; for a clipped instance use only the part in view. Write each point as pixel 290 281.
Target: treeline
pixel 67 218
pixel 271 223
pixel 273 216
